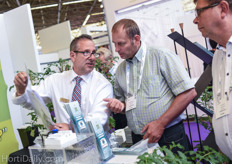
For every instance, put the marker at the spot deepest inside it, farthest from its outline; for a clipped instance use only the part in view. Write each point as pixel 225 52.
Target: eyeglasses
pixel 200 10
pixel 88 54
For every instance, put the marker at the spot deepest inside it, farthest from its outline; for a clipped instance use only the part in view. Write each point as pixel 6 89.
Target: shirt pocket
pixel 152 86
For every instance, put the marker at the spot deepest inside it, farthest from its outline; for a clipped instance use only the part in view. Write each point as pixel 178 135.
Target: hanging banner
pixel 8 142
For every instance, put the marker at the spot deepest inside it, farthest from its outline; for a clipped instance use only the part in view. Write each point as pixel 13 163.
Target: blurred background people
pixel 108 64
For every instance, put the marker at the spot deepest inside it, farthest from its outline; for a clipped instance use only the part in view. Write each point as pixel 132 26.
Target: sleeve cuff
pixel 18 100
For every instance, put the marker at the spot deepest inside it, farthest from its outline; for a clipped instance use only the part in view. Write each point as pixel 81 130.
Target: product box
pixel 76 117
pixel 104 148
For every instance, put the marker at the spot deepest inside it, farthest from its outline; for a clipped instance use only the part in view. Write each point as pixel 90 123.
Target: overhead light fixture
pixel 42 7
pixel 54 5
pixel 86 20
pixel 101 13
pixel 8 4
pixel 99 0
pixel 101 6
pixel 72 2
pixel 137 6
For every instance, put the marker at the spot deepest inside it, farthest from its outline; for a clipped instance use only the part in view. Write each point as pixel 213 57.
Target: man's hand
pixel 154 132
pixel 59 126
pixel 20 82
pixel 115 105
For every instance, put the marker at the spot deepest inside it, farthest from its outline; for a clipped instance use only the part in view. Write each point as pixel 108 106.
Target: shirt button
pixel 226 134
pixel 226 93
pixel 227 74
pixel 229 55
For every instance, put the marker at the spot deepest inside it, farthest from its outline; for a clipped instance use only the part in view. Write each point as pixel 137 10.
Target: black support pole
pixel 188 67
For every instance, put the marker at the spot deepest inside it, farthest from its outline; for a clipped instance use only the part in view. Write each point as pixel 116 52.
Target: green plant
pixel 204 120
pixel 188 157
pixel 104 68
pixel 60 66
pixel 206 100
pixel 111 125
pixel 33 124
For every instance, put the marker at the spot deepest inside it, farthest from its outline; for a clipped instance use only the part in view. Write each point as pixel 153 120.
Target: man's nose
pixel 116 48
pixel 195 21
pixel 92 57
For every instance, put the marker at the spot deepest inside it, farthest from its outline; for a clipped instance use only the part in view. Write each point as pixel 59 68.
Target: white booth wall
pixel 17 49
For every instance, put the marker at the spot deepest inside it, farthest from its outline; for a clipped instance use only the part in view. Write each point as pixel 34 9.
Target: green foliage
pixel 111 124
pixel 104 68
pixel 33 124
pixel 11 87
pixel 204 120
pixel 60 66
pixel 206 98
pixel 51 109
pixel 188 157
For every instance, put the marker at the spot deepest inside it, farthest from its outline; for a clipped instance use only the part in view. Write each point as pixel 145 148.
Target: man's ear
pixel 72 55
pixel 137 39
pixel 225 8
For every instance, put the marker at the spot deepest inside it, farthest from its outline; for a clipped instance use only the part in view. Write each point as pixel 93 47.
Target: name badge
pixel 130 103
pixel 222 108
pixel 64 100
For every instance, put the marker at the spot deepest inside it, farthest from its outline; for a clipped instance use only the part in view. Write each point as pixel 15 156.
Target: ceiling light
pixel 99 0
pixel 86 20
pixel 8 4
pixel 42 7
pixel 98 13
pixel 54 5
pixel 72 2
pixel 137 6
pixel 101 6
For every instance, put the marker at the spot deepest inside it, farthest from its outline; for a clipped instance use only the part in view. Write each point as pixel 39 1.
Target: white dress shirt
pixel 94 88
pixel 222 97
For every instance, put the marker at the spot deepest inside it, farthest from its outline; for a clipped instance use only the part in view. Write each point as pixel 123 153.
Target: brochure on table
pixel 104 148
pixel 76 116
pixel 94 126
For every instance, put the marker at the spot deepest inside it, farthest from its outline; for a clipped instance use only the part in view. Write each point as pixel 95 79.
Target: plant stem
pixel 203 157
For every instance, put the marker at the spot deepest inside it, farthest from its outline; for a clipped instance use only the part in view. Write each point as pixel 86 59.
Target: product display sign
pixel 8 142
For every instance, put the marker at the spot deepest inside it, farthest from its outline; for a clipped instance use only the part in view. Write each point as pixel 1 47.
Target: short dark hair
pixel 129 25
pixel 73 45
pixel 216 1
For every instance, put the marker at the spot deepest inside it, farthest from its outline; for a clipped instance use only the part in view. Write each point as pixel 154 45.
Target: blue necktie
pixel 77 90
